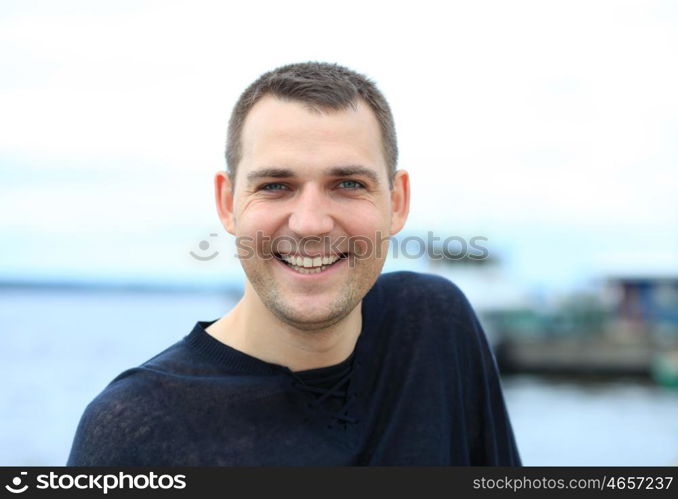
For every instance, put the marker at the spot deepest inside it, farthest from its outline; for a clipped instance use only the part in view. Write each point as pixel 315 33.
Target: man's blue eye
pixel 352 184
pixel 273 187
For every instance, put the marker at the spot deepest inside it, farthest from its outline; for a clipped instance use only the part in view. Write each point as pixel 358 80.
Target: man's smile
pixel 311 265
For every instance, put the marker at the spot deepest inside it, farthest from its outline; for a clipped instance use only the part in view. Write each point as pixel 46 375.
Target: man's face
pixel 312 188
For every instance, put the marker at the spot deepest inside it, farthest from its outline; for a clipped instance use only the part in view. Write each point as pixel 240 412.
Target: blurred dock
pixel 630 328
pixel 593 357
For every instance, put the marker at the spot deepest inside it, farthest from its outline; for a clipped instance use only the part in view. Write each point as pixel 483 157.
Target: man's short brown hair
pixel 322 86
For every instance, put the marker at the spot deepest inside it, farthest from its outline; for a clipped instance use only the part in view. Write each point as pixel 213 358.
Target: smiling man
pixel 324 360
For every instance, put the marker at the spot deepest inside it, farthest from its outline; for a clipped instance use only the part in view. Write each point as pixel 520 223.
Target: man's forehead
pixel 285 134
pixel 273 115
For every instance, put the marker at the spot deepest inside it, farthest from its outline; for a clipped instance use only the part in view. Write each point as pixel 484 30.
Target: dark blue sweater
pixel 421 388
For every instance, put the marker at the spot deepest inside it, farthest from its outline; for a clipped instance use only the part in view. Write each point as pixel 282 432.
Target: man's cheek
pixel 257 246
pixel 263 245
pixel 245 248
pixel 361 248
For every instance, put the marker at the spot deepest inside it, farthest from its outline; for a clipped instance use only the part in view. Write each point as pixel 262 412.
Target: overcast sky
pixel 549 127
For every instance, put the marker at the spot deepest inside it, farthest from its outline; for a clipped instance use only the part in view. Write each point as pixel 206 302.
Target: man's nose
pixel 310 213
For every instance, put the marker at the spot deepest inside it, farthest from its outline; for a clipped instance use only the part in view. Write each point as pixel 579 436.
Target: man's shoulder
pixel 418 286
pixel 432 301
pixel 116 421
pixel 129 411
pixel 131 390
pixel 151 377
pixel 404 278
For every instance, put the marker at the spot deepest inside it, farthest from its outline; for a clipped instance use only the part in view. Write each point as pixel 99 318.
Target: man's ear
pixel 223 193
pixel 400 200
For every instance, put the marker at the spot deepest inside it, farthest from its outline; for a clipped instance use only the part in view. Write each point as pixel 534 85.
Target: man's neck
pixel 252 329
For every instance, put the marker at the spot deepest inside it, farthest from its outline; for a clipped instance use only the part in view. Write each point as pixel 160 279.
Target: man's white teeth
pixel 310 263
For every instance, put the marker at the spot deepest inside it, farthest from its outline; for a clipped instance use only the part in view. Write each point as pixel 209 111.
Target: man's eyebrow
pixel 349 171
pixel 270 173
pixel 337 171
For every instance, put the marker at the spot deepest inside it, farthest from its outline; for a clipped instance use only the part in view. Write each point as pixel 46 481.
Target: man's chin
pixel 309 320
pixel 304 309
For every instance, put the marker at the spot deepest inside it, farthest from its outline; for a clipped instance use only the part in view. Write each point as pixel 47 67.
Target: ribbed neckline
pixel 232 359
pixel 224 355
